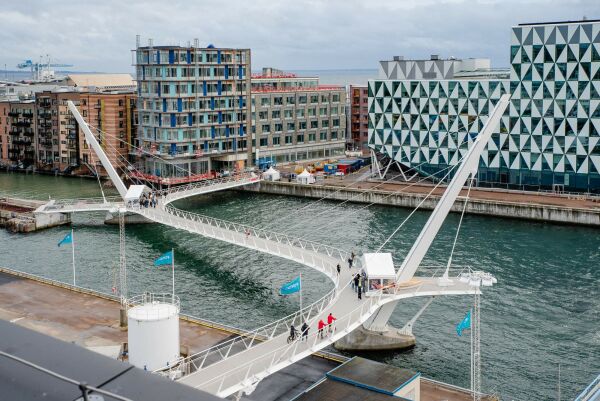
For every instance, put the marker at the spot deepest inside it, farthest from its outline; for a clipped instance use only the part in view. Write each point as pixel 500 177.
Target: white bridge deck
pixel 239 364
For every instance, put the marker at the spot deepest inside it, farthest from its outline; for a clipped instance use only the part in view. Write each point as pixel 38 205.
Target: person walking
pixel 359 293
pixel 349 263
pixel 360 287
pixel 355 282
pixel 304 330
pixel 339 268
pixel 330 320
pixel 321 326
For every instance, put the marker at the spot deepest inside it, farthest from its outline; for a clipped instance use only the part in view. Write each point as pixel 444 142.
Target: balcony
pixel 44 114
pixel 28 132
pixel 22 141
pixel 45 105
pixel 13 114
pixel 46 143
pixel 23 124
pixel 28 114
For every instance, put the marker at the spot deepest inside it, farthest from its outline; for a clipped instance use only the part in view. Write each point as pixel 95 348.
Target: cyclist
pixel 293 334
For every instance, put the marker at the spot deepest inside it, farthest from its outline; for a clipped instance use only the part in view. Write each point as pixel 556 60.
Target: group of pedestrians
pixel 149 200
pixel 321 326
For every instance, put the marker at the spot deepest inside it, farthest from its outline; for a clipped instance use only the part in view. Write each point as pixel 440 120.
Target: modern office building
pixel 295 118
pixel 193 108
pixel 358 132
pixel 425 113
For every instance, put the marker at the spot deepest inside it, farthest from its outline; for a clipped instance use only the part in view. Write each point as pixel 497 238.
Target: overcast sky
pixel 316 34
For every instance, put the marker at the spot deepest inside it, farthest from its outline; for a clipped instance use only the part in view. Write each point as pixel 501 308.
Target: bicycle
pixel 292 337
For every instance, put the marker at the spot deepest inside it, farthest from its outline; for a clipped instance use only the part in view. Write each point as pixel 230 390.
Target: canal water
pixel 543 312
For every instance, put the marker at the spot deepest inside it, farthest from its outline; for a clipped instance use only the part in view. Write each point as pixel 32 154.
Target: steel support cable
pixel 433 175
pixel 352 197
pixel 84 387
pixel 400 191
pixel 414 210
pixel 462 215
pixel 311 204
pixel 142 150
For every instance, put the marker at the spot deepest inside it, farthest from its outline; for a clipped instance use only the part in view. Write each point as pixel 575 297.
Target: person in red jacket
pixel 330 320
pixel 321 326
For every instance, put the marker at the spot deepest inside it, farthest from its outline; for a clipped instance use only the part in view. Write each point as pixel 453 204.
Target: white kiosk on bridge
pixel 239 364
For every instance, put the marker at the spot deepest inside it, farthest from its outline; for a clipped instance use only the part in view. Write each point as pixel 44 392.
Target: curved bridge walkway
pixel 239 364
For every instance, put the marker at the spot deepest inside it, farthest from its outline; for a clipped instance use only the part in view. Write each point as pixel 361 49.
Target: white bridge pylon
pixel 241 363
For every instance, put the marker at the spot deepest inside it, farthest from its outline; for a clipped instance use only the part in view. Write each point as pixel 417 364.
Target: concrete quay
pixel 91 319
pixel 552 208
pixel 17 215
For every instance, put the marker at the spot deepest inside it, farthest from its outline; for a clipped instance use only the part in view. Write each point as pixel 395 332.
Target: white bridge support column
pixel 375 333
pixel 91 140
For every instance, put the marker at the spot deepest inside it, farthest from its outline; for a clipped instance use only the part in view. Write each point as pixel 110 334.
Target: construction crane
pixel 41 71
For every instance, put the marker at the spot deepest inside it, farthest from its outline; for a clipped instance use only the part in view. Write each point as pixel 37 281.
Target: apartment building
pixel 358 137
pixel 295 118
pixel 4 128
pixel 193 108
pixel 112 117
pixel 57 144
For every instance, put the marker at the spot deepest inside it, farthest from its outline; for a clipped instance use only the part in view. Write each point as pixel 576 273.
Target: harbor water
pixel 543 312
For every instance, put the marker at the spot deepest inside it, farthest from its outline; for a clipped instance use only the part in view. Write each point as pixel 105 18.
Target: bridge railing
pixel 227 349
pixel 251 232
pixel 62 204
pixel 251 372
pixel 174 193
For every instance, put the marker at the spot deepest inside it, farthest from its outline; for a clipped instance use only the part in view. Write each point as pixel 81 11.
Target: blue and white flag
pixel 67 240
pixel 291 287
pixel 164 259
pixel 465 324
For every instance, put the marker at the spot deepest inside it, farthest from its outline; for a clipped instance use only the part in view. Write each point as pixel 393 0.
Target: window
pixel 335 122
pixel 314 124
pixel 300 113
pixel 276 141
pixel 278 101
pixel 302 125
pixel 290 100
pixel 278 127
pixel 324 123
pixel 276 114
pixel 302 99
pixel 314 99
pixel 300 138
pixel 288 139
pixel 335 98
pixel 288 113
pixel 323 136
pixel 264 141
pixel 262 115
pixel 322 111
pixel 264 101
pixel 266 128
pixel 312 137
pixel 291 126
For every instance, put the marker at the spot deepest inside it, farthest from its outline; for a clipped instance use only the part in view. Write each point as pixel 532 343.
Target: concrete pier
pixel 489 202
pixel 18 215
pixel 362 339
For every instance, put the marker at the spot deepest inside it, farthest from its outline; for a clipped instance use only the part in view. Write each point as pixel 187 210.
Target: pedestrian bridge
pixel 242 362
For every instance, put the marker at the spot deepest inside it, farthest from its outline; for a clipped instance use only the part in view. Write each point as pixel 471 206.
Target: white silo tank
pixel 153 330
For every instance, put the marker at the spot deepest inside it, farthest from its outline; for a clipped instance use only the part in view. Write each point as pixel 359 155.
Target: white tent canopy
pixel 271 174
pixel 379 265
pixel 135 192
pixel 305 178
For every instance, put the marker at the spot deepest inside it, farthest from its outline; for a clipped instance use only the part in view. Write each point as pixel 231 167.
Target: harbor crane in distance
pixel 41 71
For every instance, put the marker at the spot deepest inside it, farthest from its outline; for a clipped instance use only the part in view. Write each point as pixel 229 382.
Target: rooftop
pixel 101 80
pixel 581 21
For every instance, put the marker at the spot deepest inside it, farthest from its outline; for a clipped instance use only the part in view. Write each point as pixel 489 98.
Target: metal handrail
pixel 291 352
pixel 167 193
pixel 591 389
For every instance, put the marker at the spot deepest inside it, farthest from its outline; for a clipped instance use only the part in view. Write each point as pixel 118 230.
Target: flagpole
pixel 173 271
pixel 471 331
pixel 73 253
pixel 301 317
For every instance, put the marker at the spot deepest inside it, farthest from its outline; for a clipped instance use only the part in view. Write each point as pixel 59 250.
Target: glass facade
pixel 548 137
pixel 193 108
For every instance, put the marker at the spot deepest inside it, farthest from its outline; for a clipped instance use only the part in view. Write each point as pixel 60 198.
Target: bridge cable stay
pixel 401 190
pixel 337 205
pixel 462 215
pixel 96 172
pixel 414 210
pixel 143 151
pixel 433 175
pixel 366 190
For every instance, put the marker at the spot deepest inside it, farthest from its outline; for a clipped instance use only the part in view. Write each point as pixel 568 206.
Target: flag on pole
pixel 164 259
pixel 67 240
pixel 465 324
pixel 291 287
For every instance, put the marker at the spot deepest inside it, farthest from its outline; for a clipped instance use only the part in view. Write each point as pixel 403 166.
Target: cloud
pixel 314 34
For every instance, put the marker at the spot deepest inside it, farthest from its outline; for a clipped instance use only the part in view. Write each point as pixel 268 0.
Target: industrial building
pixel 425 113
pixel 193 109
pixel 295 118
